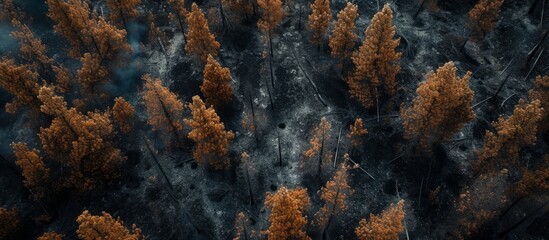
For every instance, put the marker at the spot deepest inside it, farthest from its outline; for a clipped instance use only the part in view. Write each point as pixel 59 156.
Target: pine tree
pixel 356 132
pixel 71 21
pixel 541 91
pixel 92 73
pixel 21 82
pixel 376 61
pixel 271 16
pixel 80 142
pixel 319 20
pixel 50 236
pixel 335 195
pixel 123 10
pixel 216 86
pixel 319 148
pixel 35 172
pixel 124 114
pixel 92 227
pixel 32 48
pixel 109 40
pixel 164 108
pixel 342 41
pixel 442 107
pixel 483 17
pixel 9 222
pixel 155 33
pixel 63 79
pixel 181 13
pixel 534 181
pixel 200 41
pixel 208 132
pixel 242 227
pixel 8 11
pixel 287 208
pixel 385 227
pixel 502 147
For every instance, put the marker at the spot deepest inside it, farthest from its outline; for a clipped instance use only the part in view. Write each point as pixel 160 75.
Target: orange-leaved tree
pixel 319 20
pixel 9 222
pixel 385 227
pixel 164 108
pixel 200 41
pixel 35 172
pixel 502 147
pixel 270 18
pixel 342 41
pixel 92 73
pixel 319 153
pixel 483 17
pixel 216 85
pixel 123 10
pixel 50 236
pixel 104 226
pixel 20 81
pixel 80 142
pixel 178 7
pixel 540 91
pixel 208 132
pixel 376 61
pixel 357 132
pixel 287 208
pixel 534 181
pixel 334 195
pixel 123 113
pixel 242 227
pixel 32 48
pixel 441 108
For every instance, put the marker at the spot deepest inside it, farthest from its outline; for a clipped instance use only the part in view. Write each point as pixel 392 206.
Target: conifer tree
pixel 483 17
pixel 9 222
pixel 216 86
pixel 540 91
pixel 124 114
pixel 286 219
pixel 35 172
pixel 50 236
pixel 20 81
pixel 534 181
pixel 163 107
pixel 208 132
pixel 109 40
pixel 356 132
pixel 178 7
pixel 32 48
pixel 246 174
pixel 376 61
pixel 242 227
pixel 334 195
pixel 200 41
pixel 71 21
pixel 82 143
pixel 155 33
pixel 441 108
pixel 502 147
pixel 387 226
pixel 319 20
pixel 270 18
pixel 8 11
pixel 342 41
pixel 319 154
pixel 63 78
pixel 123 10
pixel 104 226
pixel 92 73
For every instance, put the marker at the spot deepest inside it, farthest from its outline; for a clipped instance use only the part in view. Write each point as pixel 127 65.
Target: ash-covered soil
pixel 191 202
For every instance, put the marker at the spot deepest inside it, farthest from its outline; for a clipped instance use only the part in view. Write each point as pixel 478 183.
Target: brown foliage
pixel 123 10
pixel 318 148
pixel 31 47
pixel 319 20
pixel 216 86
pixel 287 207
pixel 356 132
pixel 155 33
pixel 50 236
pixel 271 15
pixel 163 107
pixel 441 108
pixel 540 91
pixel 384 227
pixel 335 195
pixel 208 132
pixel 342 41
pixel 178 6
pixel 124 114
pixel 245 7
pixel 376 61
pixel 62 78
pixel 9 222
pixel 21 82
pixel 92 227
pixel 92 72
pixel 502 147
pixel 80 142
pixel 200 41
pixel 242 227
pixel 483 17
pixel 109 40
pixel 8 11
pixel 35 172
pixel 534 181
